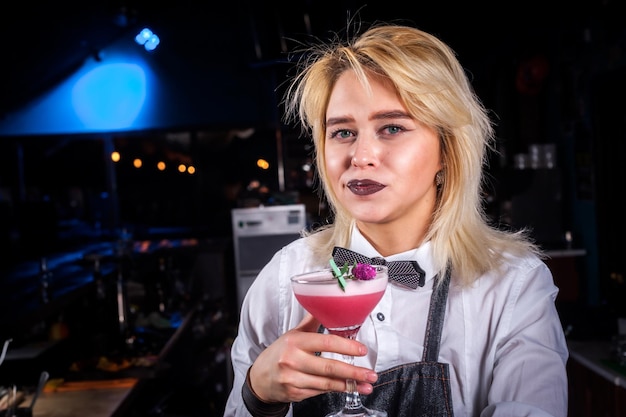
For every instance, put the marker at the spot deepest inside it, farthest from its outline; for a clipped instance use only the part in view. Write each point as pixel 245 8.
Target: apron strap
pixel 436 314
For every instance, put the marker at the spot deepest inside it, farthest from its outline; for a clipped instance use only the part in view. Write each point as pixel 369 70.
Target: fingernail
pixel 372 377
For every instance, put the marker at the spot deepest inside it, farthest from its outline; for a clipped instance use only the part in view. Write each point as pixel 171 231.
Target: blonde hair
pixel 434 88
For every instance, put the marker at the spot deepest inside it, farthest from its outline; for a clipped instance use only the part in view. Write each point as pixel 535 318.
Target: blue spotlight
pixel 148 39
pixel 110 96
pixel 143 36
pixel 152 43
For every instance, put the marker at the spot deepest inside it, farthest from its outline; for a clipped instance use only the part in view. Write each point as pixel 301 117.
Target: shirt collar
pixel 421 254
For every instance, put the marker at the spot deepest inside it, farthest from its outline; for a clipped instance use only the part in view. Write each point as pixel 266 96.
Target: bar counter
pixel 101 398
pixel 93 403
pixel 597 383
pixel 158 358
pixel 596 356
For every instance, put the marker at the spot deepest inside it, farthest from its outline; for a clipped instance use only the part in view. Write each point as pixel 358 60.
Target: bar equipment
pixel 258 232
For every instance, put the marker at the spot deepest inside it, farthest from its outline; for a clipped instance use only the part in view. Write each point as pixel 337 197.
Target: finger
pixel 330 343
pixel 308 324
pixel 333 369
pixel 336 344
pixel 364 388
pixel 318 342
pixel 309 385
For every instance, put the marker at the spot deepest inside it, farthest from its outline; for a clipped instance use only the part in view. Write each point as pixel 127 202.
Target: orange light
pixel 161 166
pixel 137 163
pixel 262 163
pixel 115 156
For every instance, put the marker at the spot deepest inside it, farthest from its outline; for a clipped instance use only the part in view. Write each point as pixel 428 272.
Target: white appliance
pixel 258 233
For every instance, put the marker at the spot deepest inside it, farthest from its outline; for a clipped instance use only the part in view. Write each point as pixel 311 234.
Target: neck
pixel 392 238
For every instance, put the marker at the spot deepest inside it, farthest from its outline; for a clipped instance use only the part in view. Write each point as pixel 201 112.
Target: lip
pixel 364 187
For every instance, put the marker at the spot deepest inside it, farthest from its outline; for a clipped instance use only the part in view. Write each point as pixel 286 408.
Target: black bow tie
pixel 406 273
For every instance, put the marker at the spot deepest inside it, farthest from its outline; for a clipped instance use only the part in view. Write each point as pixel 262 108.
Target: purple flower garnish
pixel 364 272
pixel 357 271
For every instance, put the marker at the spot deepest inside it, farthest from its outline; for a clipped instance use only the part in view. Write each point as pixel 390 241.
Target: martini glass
pixel 342 313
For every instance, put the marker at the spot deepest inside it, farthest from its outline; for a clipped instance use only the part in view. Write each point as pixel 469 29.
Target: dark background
pixel 551 72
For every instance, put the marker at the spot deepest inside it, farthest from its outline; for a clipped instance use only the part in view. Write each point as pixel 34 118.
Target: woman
pixel 401 141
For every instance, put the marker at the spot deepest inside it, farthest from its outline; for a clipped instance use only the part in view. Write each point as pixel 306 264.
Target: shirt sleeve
pixel 268 310
pixel 258 328
pixel 529 376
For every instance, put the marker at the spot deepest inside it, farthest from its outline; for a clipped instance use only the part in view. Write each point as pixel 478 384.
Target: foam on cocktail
pixel 353 287
pixel 337 309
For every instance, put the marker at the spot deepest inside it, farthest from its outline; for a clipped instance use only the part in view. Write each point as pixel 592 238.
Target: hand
pixel 289 371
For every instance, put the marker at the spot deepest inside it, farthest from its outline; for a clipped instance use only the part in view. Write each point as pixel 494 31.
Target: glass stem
pixel 353 399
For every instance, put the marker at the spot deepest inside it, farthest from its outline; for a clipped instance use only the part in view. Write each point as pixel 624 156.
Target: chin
pixel 368 218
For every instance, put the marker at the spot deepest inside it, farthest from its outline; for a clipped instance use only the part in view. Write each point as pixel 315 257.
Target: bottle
pixel 160 283
pixel 44 280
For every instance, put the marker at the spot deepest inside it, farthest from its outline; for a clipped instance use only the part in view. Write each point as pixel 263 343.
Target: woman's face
pixel 380 162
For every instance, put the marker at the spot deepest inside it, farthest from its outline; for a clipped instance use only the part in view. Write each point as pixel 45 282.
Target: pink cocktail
pixel 350 311
pixel 338 310
pixel 342 311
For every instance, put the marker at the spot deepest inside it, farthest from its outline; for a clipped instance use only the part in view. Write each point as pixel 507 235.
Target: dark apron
pixel 419 389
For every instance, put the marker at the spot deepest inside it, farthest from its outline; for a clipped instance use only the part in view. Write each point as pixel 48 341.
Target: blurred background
pixel 145 177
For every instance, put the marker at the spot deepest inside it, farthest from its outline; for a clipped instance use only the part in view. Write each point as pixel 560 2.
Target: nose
pixel 364 152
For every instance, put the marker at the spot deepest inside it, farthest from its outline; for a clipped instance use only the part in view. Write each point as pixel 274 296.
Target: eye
pixel 393 129
pixel 341 134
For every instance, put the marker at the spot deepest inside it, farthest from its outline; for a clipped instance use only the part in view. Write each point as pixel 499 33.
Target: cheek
pixel 420 162
pixel 335 166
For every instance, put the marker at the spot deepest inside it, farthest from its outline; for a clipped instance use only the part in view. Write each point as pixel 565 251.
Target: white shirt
pixel 502 337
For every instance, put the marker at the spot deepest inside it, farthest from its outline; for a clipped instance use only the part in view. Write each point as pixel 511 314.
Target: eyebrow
pixel 393 114
pixel 338 120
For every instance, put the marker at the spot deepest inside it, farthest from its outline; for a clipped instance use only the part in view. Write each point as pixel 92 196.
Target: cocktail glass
pixel 342 313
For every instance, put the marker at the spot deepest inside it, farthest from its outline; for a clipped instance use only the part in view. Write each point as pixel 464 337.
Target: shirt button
pixel 380 317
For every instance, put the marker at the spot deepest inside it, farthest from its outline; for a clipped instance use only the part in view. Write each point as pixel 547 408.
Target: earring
pixel 439 178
